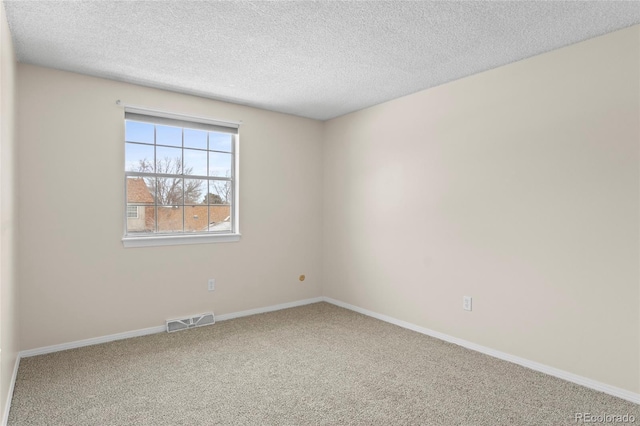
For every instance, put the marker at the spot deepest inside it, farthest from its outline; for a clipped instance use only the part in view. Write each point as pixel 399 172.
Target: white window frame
pixel 181 120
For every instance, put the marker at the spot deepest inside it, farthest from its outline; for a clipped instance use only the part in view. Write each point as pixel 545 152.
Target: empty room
pixel 319 213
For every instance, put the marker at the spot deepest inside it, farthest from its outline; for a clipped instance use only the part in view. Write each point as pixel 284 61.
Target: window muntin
pixel 180 176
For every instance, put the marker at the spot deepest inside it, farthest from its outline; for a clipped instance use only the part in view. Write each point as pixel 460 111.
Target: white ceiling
pixel 314 59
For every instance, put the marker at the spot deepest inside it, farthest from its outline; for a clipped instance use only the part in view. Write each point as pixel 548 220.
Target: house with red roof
pixel 142 214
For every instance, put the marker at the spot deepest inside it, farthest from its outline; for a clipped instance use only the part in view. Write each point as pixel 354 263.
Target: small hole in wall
pixel 301 278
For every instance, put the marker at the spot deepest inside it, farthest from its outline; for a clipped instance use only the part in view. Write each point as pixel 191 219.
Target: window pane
pixel 219 192
pixel 170 218
pixel 195 138
pixel 195 162
pixel 169 160
pixel 220 141
pixel 195 191
pixel 138 158
pixel 220 164
pixel 195 218
pixel 219 213
pixel 136 131
pixel 169 191
pixel 144 223
pixel 219 218
pixel 140 191
pixel 167 135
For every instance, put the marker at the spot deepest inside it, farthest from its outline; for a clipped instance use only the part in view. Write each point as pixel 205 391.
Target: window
pixel 181 179
pixel 132 212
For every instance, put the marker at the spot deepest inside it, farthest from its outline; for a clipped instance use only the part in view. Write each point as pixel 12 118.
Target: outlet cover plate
pixel 466 303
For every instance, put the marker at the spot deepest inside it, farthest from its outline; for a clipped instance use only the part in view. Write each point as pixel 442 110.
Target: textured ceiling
pixel 313 59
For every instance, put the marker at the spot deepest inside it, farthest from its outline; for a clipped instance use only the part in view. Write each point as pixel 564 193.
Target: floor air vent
pixel 192 322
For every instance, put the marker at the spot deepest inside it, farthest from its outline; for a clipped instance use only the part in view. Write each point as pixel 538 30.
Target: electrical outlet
pixel 466 303
pixel 212 284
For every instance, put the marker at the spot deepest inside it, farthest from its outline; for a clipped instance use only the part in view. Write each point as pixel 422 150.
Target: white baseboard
pixel 12 384
pixel 570 377
pixel 92 341
pixel 158 329
pixel 271 308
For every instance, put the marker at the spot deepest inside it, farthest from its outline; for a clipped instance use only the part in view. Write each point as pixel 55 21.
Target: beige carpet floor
pixel 312 365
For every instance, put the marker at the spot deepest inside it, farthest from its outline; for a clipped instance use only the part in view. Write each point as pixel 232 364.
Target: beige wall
pixel 76 279
pixel 8 323
pixel 519 187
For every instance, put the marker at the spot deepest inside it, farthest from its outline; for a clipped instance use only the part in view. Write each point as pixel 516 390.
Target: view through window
pixel 179 175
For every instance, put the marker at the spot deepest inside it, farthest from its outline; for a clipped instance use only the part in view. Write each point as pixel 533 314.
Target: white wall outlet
pixel 211 284
pixel 466 303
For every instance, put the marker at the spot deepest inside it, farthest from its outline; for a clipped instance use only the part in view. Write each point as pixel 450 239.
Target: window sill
pixel 176 240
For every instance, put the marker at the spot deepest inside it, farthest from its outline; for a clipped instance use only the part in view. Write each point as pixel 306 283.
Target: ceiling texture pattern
pixel 315 59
